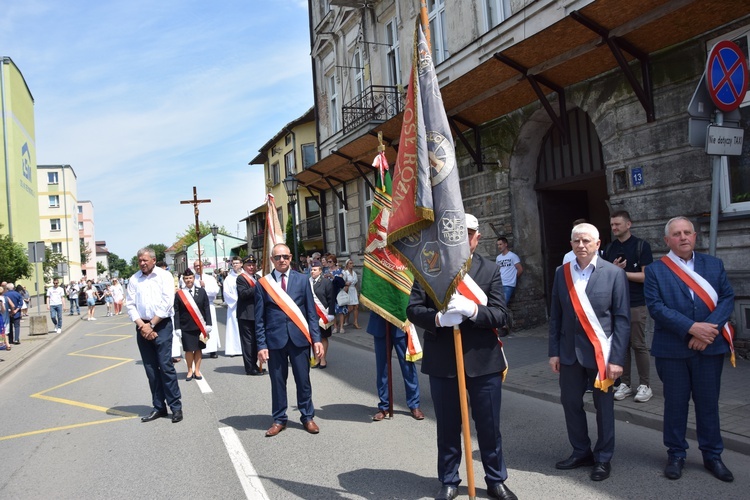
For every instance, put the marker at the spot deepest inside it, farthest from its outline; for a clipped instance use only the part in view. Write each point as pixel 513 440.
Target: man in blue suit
pixel 286 324
pixel 589 331
pixel 690 344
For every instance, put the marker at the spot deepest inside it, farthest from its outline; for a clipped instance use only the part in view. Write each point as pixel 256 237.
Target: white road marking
pixel 203 385
pixel 245 471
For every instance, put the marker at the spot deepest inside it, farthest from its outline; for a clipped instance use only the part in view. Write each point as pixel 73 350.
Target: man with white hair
pixel 589 331
pixel 690 298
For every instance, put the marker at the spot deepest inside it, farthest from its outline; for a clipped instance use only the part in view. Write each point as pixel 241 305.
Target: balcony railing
pixel 377 103
pixel 257 241
pixel 310 229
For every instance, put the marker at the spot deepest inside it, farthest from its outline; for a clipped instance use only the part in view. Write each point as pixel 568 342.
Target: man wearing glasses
pixel 286 325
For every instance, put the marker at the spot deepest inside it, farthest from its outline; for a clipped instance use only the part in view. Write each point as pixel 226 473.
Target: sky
pixel 147 99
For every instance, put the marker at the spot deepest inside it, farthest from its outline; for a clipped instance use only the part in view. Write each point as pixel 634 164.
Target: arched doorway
pixel 570 184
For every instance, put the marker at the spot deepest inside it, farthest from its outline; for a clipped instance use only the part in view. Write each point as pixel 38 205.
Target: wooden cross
pixel 195 201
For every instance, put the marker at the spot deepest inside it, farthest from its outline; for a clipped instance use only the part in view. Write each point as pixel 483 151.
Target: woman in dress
pixel 337 275
pixel 91 295
pixel 118 295
pixel 26 300
pixel 351 280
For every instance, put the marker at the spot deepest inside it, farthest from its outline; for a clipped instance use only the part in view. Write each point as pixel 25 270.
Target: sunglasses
pixel 279 257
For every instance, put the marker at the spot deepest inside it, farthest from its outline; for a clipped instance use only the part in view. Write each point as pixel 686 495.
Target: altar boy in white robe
pixel 232 337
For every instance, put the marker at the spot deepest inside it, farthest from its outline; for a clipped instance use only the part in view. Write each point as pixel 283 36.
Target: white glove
pixel 462 305
pixel 209 328
pixel 178 332
pixel 449 319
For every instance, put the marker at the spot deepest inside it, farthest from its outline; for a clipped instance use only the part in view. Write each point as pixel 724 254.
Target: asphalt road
pixel 71 430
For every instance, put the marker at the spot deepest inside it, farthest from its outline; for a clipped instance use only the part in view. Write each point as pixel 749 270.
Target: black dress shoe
pixel 601 471
pixel 501 491
pixel 154 415
pixel 176 416
pixel 447 492
pixel 575 462
pixel 718 469
pixel 673 470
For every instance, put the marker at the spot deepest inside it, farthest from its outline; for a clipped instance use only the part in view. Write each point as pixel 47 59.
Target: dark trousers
pixel 485 394
pixel 248 344
pixel 14 329
pixel 699 376
pixel 157 361
pixel 408 371
pixel 278 368
pixel 573 381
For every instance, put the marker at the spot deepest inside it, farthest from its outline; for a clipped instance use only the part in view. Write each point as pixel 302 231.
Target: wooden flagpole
pixel 460 373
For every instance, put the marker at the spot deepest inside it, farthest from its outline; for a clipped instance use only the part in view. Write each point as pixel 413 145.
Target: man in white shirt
pixel 55 301
pixel 150 301
pixel 510 267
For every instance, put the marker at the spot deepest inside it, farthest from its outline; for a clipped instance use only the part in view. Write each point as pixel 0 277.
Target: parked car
pixel 100 287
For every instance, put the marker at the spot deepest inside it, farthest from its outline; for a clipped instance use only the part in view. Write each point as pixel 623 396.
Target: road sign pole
pixel 716 162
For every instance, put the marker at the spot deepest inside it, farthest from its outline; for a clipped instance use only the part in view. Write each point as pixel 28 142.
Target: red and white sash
pixel 591 326
pixel 285 303
pixel 193 310
pixel 703 290
pixel 469 289
pixel 326 320
pixel 250 280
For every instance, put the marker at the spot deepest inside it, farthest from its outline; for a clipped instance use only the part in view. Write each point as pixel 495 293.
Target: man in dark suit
pixel 246 283
pixel 323 290
pixel 690 343
pixel 484 364
pixel 286 324
pixel 186 326
pixel 589 331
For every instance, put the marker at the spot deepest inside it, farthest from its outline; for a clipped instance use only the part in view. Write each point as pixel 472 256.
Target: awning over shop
pixel 603 36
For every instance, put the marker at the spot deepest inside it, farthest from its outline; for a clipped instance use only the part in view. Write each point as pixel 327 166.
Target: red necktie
pixel 283 282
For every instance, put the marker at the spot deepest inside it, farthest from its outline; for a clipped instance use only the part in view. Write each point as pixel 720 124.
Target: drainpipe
pixel 67 222
pixel 5 61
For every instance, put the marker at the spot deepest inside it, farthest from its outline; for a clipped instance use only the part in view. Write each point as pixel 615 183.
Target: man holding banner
pixel 589 333
pixel 690 298
pixel 484 364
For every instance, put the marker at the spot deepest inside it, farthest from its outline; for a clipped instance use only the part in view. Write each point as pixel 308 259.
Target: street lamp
pixel 184 258
pixel 215 231
pixel 290 185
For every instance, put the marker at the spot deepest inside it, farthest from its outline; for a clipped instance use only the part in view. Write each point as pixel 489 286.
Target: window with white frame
pixel 57 247
pixel 495 12
pixel 341 223
pixel 280 215
pixel 275 174
pixel 367 197
pixel 52 178
pixel 393 58
pixel 308 155
pixel 54 201
pixel 289 166
pixel 438 33
pixel 54 225
pixel 333 104
pixel 80 226
pixel 735 170
pixel 359 73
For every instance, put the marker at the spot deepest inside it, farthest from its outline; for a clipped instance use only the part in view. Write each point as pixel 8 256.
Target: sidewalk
pixel 529 374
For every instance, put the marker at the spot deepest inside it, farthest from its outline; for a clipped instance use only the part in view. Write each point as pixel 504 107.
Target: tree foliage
pixel 115 263
pixel 159 250
pixel 51 264
pixel 100 268
pixel 189 237
pixel 85 253
pixel 14 264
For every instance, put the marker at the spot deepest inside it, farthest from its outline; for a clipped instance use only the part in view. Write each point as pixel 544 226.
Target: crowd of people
pixel 601 298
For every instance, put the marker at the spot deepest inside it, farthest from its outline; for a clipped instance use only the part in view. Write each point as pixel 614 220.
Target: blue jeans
pixel 508 293
pixel 74 305
pixel 55 313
